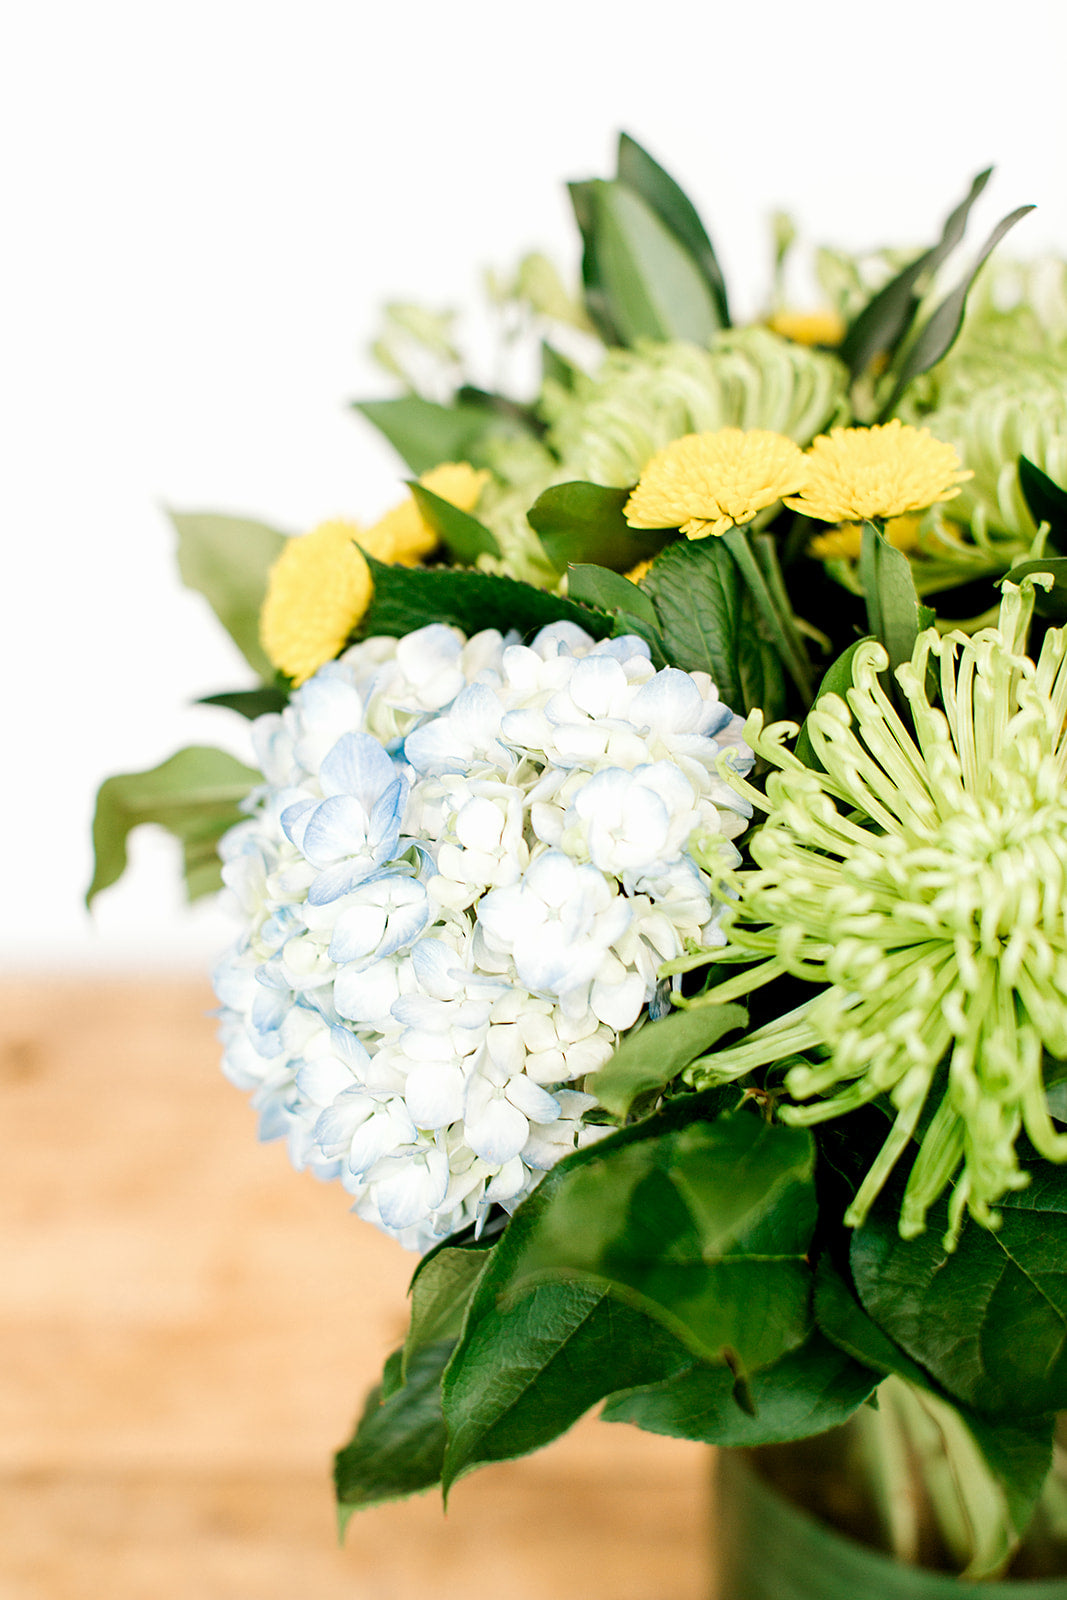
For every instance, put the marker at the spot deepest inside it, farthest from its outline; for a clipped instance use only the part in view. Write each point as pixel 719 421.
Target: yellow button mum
pixel 809 327
pixel 318 589
pixel 320 585
pixel 844 543
pixel 706 483
pixel 857 473
pixel 406 534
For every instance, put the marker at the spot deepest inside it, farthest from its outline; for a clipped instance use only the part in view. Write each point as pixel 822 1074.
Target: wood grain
pixel 187 1327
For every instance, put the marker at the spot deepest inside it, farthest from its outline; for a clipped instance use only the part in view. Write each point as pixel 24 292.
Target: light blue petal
pixel 357 765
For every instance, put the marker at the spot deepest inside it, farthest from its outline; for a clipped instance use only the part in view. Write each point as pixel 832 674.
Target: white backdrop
pixel 205 203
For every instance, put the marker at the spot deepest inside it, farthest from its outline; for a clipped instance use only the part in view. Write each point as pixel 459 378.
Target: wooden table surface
pixel 187 1328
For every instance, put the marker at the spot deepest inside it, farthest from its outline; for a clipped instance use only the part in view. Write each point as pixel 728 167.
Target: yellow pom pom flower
pixel 320 586
pixel 844 543
pixel 885 471
pixel 826 327
pixel 705 483
pixel 317 590
pixel 403 533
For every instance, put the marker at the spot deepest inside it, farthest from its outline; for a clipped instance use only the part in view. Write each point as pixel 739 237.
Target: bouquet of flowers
pixel 653 886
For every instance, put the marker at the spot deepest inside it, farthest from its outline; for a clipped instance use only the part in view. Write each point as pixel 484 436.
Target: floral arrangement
pixel 653 886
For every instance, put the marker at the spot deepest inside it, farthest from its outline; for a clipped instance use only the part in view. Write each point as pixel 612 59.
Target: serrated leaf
pixel 584 523
pixel 676 211
pixel 837 680
pixel 464 537
pixel 399 1444
pixel 424 434
pixel 250 703
pixel 440 1292
pixel 938 334
pixel 1045 501
pixel 1052 602
pixel 988 1321
pixel 707 625
pixel 195 795
pixel 650 1056
pixel 525 1372
pixel 227 560
pixel 651 287
pixel 703 1227
pixel 809 1389
pixel 887 315
pixel 406 598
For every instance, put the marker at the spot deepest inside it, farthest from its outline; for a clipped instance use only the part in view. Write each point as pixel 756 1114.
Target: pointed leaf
pixel 650 1056
pixel 704 1227
pixel 596 299
pixel 1051 602
pixel 584 522
pixel 938 334
pixel 837 680
pixel 886 317
pixel 250 703
pixel 1046 502
pixel 609 591
pixel 651 286
pixel 889 592
pixel 809 1389
pixel 424 433
pixel 463 536
pixel 227 560
pixel 988 1321
pixel 406 598
pixel 677 212
pixel 399 1444
pixel 440 1292
pixel 195 795
pixel 525 1372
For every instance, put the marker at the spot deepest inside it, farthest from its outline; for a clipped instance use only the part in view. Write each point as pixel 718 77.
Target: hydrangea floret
pixel 922 880
pixel 466 866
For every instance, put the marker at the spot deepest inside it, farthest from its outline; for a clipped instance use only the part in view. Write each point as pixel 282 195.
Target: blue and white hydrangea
pixel 467 863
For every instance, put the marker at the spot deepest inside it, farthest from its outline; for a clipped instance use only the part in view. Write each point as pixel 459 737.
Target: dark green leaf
pixel 425 434
pixel 837 680
pixel 651 286
pixel 1017 1451
pixel 651 1056
pixel 596 298
pixel 524 1372
pixel 809 1389
pixel 887 315
pixel 556 368
pixel 406 598
pixel 703 1227
pixel 609 591
pixel 440 1290
pixel 227 560
pixel 989 1321
pixel 520 418
pixel 195 795
pixel 583 522
pixel 677 212
pixel 1046 502
pixel 889 592
pixel 708 625
pixel 399 1444
pixel 1052 602
pixel 938 334
pixel 463 536
pixel 250 703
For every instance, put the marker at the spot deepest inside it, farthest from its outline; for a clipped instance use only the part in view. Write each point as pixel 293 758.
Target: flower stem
pixel 767 587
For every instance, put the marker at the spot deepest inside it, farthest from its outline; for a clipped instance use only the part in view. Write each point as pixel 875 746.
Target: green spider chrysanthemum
pixel 923 880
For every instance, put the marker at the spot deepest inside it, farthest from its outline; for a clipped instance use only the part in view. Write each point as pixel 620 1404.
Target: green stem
pixel 767 588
